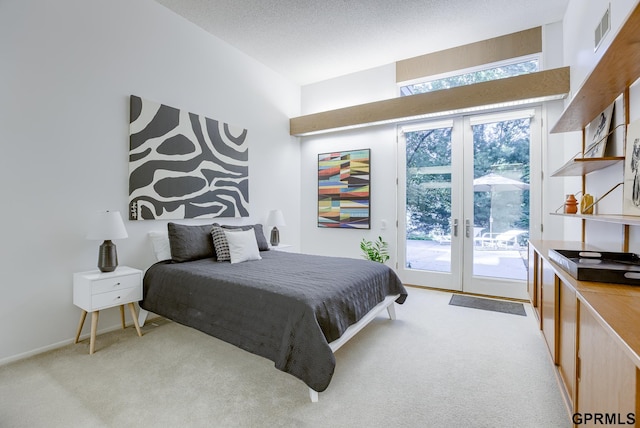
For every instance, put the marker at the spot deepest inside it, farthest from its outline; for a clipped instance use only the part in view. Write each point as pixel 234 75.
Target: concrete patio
pixel 498 263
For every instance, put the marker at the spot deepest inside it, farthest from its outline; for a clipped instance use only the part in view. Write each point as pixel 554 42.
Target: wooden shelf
pixel 581 166
pixel 606 218
pixel 618 68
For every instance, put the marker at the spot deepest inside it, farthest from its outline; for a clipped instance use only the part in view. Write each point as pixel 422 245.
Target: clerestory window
pixel 495 72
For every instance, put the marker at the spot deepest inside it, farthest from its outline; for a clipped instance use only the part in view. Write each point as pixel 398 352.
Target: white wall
pixel 68 68
pixel 369 85
pixel 556 147
pixel 579 23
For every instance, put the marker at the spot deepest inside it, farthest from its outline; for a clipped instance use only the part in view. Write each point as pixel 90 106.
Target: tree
pixel 501 147
pixel 473 77
pixel 428 184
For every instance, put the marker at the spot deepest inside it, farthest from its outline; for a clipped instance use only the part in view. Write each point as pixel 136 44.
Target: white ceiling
pixel 313 40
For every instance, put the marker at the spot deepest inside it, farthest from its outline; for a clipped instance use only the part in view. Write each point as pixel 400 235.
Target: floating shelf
pixel 582 166
pixel 618 68
pixel 606 218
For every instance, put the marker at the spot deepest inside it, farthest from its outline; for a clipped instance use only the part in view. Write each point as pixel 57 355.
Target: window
pixel 482 75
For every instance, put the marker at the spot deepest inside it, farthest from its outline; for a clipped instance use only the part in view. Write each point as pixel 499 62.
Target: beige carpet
pixel 435 366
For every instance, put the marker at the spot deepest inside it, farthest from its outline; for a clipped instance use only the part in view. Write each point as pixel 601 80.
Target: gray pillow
pixel 263 245
pixel 190 242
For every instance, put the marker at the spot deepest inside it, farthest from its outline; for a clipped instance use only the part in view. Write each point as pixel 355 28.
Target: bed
pixel 294 309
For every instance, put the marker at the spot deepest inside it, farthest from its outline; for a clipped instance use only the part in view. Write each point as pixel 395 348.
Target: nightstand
pixel 281 247
pixel 94 290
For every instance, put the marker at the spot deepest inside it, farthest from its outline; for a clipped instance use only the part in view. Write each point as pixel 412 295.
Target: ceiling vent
pixel 603 27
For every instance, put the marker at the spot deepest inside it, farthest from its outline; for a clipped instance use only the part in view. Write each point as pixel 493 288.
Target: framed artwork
pixel 184 165
pixel 597 134
pixel 344 189
pixel 631 186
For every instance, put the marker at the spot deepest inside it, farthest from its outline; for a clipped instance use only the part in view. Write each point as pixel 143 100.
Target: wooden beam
pixel 501 48
pixel 528 86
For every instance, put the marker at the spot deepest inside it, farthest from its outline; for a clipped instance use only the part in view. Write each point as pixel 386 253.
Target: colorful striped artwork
pixel 343 189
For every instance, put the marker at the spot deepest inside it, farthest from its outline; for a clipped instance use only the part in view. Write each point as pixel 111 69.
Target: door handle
pixel 467 228
pixel 455 227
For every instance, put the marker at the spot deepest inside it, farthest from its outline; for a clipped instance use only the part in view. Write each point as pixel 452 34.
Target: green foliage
pixel 500 72
pixel 502 148
pixel 375 251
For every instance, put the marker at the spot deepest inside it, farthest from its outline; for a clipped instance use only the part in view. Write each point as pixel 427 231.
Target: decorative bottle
pixel 571 204
pixel 587 201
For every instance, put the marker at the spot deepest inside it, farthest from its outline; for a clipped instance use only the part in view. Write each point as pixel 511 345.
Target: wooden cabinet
pixel 597 325
pixel 592 331
pixel 567 332
pixel 549 308
pixel 607 377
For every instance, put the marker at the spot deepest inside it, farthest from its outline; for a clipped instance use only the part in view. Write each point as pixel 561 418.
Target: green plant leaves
pixel 376 251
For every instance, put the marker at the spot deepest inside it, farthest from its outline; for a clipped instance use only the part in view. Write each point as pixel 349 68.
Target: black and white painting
pixel 598 133
pixel 184 165
pixel 631 198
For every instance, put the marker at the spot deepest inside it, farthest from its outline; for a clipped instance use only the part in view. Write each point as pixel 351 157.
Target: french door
pixel 464 202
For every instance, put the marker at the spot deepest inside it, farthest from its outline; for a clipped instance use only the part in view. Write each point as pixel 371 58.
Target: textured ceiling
pixel 309 41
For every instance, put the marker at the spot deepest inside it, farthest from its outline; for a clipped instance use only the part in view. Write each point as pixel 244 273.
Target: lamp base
pixel 107 257
pixel 275 237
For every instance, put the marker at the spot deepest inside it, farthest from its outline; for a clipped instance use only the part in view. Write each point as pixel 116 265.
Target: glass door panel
pixel 428 232
pixel 499 192
pixel 464 203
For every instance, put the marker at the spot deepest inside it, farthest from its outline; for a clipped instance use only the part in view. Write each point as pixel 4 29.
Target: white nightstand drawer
pixel 118 297
pixel 116 283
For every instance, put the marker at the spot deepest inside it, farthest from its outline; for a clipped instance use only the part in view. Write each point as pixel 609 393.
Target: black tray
pixel 599 266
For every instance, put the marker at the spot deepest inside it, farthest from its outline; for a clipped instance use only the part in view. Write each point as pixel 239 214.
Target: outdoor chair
pixel 442 239
pixel 502 240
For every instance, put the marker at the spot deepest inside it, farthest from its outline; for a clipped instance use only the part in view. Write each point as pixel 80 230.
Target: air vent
pixel 603 27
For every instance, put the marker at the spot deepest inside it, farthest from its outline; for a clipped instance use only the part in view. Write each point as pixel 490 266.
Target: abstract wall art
pixel 631 186
pixel 184 165
pixel 344 189
pixel 597 133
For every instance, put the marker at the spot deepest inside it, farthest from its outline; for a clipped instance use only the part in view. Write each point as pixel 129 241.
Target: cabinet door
pixel 567 331
pixel 549 307
pixel 607 377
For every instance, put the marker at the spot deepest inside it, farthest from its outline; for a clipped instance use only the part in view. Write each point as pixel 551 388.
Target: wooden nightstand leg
pixel 135 318
pixel 122 316
pixel 83 316
pixel 94 327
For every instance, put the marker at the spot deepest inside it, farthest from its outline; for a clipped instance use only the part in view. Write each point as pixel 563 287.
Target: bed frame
pixel 387 304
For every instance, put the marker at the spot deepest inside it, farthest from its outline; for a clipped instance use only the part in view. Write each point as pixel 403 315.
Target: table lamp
pixel 107 225
pixel 275 219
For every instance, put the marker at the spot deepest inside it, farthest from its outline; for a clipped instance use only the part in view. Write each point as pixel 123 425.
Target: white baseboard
pixel 57 345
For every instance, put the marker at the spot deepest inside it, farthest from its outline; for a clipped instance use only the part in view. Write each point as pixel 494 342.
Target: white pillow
pixel 242 245
pixel 160 244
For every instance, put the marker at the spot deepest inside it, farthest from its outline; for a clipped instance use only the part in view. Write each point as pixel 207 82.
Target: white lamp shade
pixel 106 225
pixel 275 218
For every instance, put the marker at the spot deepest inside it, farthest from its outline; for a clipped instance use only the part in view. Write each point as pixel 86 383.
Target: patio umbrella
pixel 496 183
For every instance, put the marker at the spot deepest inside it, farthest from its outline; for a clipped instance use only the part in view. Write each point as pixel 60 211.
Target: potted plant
pixel 375 251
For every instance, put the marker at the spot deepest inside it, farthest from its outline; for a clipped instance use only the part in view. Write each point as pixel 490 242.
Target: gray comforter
pixel 286 307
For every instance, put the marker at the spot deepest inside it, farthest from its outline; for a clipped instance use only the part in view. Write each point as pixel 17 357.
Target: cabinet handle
pixel 116 284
